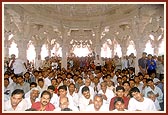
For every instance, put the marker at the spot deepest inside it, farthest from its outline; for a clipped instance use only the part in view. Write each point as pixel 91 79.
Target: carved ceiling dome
pixel 45 22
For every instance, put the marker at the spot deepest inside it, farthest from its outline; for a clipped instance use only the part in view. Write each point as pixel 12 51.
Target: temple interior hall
pixel 83 29
pixel 84 57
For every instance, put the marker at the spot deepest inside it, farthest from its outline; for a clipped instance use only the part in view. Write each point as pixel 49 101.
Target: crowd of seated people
pixel 88 84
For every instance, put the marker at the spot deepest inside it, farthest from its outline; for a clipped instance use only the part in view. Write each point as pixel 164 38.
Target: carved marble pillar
pixel 156 50
pixel 6 47
pixel 140 47
pixel 49 49
pixel 112 50
pixel 155 43
pixel 38 50
pixel 123 44
pixel 123 49
pixel 37 44
pixel 6 43
pixel 22 47
pixel 139 33
pixel 65 44
pixel 64 56
pixel 97 42
pixel 98 49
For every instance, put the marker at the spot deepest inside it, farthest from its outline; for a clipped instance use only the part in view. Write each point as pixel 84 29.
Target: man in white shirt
pixel 140 103
pixel 114 78
pixel 132 61
pixel 16 101
pixel 33 97
pixel 155 79
pixel 62 92
pixel 96 85
pixel 87 83
pixel 125 62
pixel 72 92
pixel 47 80
pixel 41 86
pixel 54 98
pixel 97 104
pixel 106 93
pixel 7 89
pixel 86 99
pixel 38 62
pixel 17 65
pixel 138 83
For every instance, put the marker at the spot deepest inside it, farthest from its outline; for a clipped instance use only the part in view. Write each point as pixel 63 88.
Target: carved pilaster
pixel 98 44
pixel 22 47
pixel 65 49
pixel 140 47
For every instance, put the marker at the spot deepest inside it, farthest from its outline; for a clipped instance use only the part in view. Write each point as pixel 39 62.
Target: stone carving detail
pixel 84 24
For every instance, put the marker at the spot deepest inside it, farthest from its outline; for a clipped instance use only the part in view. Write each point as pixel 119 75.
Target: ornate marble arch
pixel 87 24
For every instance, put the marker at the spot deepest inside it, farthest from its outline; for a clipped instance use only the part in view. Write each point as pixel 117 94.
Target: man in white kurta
pixel 107 94
pixel 97 104
pixel 86 99
pixel 73 94
pixel 33 97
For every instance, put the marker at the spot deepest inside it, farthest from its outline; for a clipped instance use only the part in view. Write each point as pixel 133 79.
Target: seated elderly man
pixel 34 94
pixel 98 104
pixel 64 105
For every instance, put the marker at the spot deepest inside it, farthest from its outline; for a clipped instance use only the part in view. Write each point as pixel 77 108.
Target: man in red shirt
pixel 44 103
